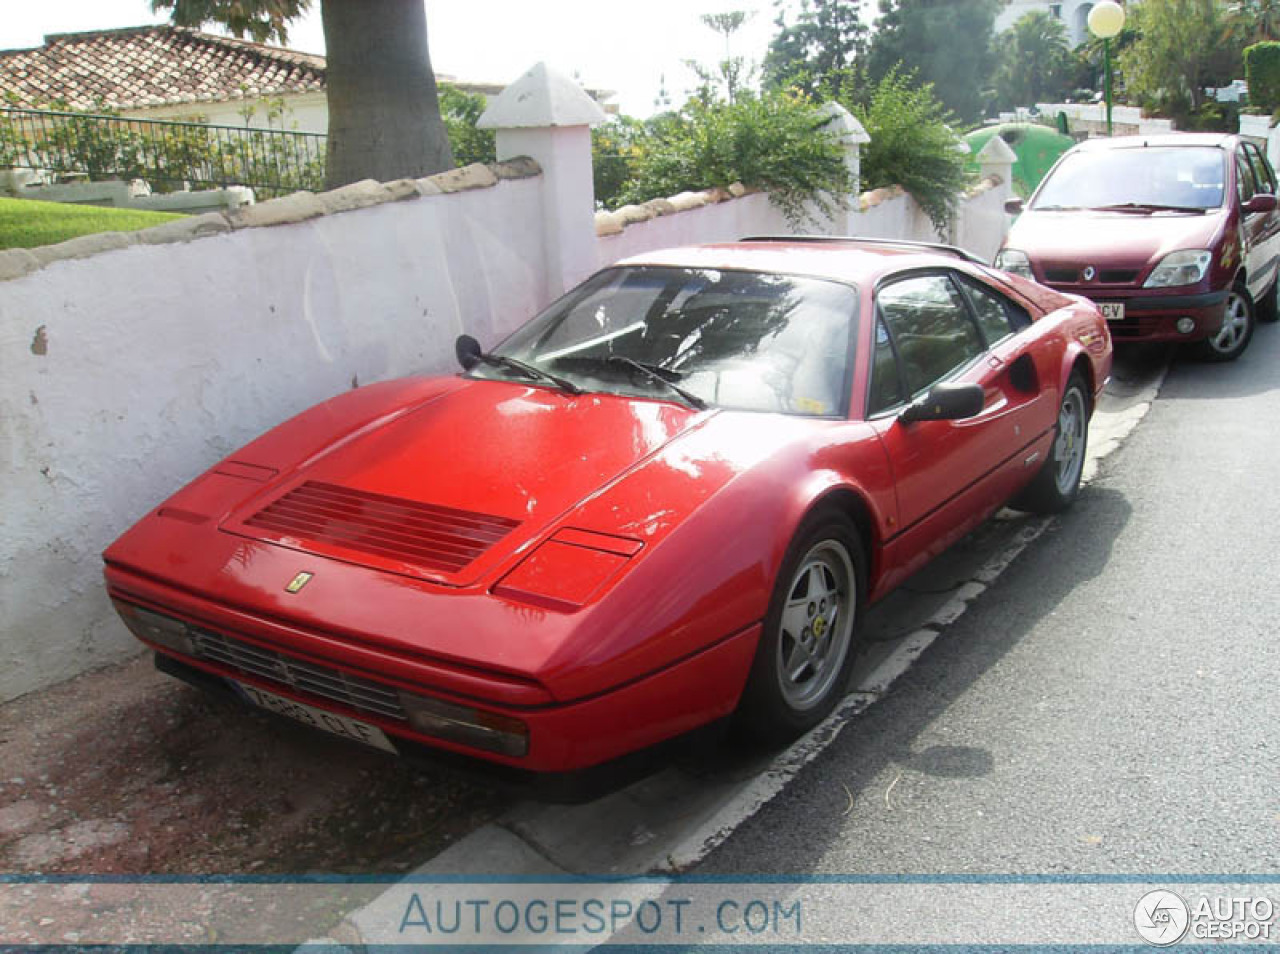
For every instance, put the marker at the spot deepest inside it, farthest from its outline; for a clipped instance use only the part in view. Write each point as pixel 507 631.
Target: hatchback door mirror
pixel 945 402
pixel 1262 202
pixel 1013 206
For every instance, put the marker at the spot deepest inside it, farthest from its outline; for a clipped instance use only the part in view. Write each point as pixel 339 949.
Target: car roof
pixel 1220 140
pixel 854 261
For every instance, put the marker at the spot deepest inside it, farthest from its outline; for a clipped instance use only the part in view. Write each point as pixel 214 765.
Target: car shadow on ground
pixel 886 734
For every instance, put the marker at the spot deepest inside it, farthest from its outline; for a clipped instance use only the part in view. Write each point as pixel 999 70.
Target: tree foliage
pixel 1259 20
pixel 267 21
pixel 821 52
pixel 913 146
pixel 730 74
pixel 1182 46
pixel 947 43
pixel 384 112
pixel 1034 64
pixel 461 111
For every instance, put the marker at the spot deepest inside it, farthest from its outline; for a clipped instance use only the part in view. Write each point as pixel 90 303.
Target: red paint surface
pixel 625 605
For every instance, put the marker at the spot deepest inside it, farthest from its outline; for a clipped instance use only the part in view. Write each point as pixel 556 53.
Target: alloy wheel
pixel 816 625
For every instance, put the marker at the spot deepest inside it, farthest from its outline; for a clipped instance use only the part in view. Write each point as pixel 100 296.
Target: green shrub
pixel 912 146
pixel 776 142
pixel 1262 73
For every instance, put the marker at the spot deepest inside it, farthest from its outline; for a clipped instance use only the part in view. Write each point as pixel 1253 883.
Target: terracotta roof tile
pixel 152 66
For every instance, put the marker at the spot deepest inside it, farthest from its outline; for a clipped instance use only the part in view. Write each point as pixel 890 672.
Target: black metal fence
pixel 169 155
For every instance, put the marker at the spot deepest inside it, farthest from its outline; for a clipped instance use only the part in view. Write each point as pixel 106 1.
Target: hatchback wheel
pixel 1237 328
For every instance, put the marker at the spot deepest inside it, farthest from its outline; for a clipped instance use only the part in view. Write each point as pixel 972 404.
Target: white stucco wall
pixel 1091 118
pixel 885 213
pixel 127 373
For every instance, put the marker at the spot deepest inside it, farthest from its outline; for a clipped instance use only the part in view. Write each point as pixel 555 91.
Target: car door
pixel 1261 229
pixel 948 474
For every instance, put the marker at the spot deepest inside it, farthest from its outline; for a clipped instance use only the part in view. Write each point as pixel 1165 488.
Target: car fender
pixel 709 562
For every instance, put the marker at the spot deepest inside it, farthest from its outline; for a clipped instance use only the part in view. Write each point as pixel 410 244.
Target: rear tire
pixel 1229 342
pixel 1057 485
pixel 810 633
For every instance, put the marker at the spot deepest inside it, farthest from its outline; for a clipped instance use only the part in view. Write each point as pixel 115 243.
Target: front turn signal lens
pixel 477 728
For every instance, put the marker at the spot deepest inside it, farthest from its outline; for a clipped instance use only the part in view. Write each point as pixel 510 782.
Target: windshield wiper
pixel 469 355
pixel 658 374
pixel 1147 207
pixel 530 371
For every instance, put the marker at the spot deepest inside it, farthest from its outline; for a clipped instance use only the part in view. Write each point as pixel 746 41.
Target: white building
pixel 1073 13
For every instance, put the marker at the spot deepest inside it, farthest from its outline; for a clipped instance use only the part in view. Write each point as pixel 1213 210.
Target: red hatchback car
pixel 665 499
pixel 1176 237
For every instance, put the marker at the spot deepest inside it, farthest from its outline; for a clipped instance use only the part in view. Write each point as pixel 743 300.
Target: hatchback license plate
pixel 330 722
pixel 1112 310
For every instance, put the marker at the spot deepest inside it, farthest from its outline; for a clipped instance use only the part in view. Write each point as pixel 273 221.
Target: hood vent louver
pixel 419 534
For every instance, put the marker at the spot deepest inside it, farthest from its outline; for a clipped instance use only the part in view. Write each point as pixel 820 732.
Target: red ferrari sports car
pixel 664 500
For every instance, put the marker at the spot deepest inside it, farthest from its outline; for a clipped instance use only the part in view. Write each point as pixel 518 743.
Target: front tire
pixel 1229 342
pixel 810 633
pixel 1057 485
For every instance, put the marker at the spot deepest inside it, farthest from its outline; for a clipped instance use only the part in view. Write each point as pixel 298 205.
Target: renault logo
pixel 1089 272
pixel 299 581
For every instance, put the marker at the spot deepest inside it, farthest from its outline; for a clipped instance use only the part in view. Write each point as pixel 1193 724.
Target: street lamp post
pixel 1106 19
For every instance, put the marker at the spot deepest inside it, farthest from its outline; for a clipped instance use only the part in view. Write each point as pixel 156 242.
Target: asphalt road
pixel 1109 705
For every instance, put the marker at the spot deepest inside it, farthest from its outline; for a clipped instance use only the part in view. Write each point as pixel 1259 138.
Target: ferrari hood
pixel 1110 239
pixel 452 488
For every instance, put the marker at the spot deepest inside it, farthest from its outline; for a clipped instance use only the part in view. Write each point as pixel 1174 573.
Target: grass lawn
pixel 29 223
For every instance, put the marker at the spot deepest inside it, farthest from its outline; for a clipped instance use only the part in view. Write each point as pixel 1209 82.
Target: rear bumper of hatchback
pixel 1151 316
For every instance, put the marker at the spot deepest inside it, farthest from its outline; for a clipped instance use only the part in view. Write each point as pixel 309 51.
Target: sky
pixel 606 44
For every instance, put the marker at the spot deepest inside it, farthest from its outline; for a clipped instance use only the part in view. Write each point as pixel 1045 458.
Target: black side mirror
pixel 1262 202
pixel 468 351
pixel 1013 206
pixel 945 402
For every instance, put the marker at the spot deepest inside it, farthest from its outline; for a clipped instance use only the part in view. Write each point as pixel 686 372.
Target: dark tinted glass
pixel 998 316
pixel 886 387
pixel 931 327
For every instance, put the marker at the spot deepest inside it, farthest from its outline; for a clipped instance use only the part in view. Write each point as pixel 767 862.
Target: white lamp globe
pixel 1106 19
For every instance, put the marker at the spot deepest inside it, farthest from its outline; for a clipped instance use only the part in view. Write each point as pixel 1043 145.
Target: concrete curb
pixel 670 822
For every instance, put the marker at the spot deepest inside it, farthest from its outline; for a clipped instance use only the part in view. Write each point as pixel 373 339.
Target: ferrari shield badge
pixel 299 581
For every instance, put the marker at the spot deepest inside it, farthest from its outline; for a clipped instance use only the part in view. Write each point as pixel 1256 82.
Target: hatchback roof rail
pixel 895 243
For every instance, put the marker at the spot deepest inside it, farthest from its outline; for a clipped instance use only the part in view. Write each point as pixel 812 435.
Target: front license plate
pixel 1112 310
pixel 341 725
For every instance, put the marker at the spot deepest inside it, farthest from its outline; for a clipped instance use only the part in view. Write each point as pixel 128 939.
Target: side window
pixel 886 382
pixel 931 328
pixel 1262 174
pixel 997 316
pixel 1244 178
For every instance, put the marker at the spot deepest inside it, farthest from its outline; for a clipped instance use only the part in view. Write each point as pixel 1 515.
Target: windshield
pixel 734 339
pixel 1179 177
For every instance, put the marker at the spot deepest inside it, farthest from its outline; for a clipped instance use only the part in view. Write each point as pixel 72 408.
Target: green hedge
pixel 1262 72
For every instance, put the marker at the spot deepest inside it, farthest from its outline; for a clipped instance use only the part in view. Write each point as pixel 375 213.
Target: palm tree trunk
pixel 384 113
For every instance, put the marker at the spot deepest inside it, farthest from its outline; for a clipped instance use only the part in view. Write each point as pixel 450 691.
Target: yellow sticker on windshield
pixel 811 406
